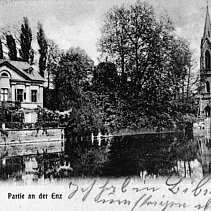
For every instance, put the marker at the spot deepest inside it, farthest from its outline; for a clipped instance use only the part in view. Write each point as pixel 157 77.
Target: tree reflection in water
pixel 35 167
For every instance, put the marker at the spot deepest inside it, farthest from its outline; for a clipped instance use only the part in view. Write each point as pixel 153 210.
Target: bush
pixel 50 124
pixel 14 125
pixel 28 125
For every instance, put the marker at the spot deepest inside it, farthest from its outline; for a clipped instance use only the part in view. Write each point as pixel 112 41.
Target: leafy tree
pixel 11 45
pixel 105 78
pixel 43 48
pixel 71 79
pixel 52 61
pixel 25 41
pixel 105 84
pixel 53 57
pixel 72 74
pixel 152 61
pixel 87 118
pixel 113 42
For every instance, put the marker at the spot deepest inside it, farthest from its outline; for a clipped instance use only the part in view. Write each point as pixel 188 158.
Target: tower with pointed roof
pixel 205 62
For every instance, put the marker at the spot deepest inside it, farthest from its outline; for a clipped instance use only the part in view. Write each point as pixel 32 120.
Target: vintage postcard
pixel 105 105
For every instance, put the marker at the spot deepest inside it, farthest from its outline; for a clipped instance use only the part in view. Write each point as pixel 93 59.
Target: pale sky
pixel 73 23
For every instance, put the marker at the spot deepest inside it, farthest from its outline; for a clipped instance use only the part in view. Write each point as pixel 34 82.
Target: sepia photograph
pixel 105 105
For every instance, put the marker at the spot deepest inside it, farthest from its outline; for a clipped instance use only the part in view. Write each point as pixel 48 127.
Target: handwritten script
pixel 133 194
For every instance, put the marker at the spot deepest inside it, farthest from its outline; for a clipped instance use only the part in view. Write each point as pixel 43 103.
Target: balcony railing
pixel 206 70
pixel 11 104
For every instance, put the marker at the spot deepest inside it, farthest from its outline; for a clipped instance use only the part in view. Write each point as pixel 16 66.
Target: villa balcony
pixel 11 104
pixel 205 71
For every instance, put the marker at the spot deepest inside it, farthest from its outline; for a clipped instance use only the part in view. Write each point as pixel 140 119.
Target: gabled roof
pixel 24 69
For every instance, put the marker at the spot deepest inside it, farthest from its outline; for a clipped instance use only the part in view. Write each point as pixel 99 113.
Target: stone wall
pixel 31 141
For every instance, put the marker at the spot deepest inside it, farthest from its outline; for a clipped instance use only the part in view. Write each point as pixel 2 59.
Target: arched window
pixel 208 87
pixel 4 75
pixel 4 81
pixel 207 59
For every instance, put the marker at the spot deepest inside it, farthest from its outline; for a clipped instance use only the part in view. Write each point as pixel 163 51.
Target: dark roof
pixel 23 68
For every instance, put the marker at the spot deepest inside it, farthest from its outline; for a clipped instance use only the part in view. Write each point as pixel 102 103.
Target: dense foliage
pixel 153 66
pixel 143 81
pixel 26 52
pixel 43 49
pixel 11 45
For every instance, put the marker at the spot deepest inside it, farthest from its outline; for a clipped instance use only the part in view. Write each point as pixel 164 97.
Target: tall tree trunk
pixel 188 83
pixel 48 79
pixel 189 168
pixel 184 169
pixel 177 168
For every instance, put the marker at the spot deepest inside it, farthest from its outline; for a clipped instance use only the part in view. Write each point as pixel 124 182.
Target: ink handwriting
pixel 140 196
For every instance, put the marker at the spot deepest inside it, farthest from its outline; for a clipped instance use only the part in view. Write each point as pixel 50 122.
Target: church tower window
pixel 207 59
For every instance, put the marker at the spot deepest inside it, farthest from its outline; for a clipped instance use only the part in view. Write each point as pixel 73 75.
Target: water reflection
pixel 32 168
pixel 52 167
pixel 156 154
